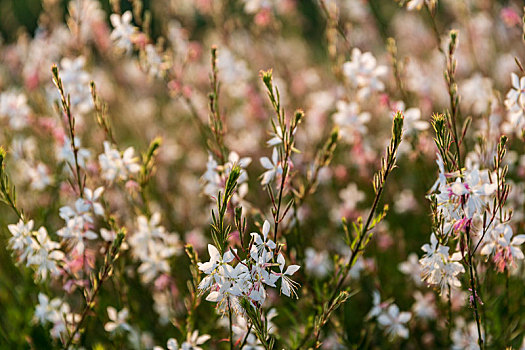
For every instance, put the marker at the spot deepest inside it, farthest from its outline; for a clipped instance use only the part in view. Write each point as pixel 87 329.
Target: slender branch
pixel 231 324
pixel 474 291
pixel 105 272
pixel 359 243
pixel 7 192
pixel 66 108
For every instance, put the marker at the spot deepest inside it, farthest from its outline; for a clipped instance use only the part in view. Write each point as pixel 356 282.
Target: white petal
pixel 266 163
pixel 266 229
pixel 214 253
pixel 110 326
pixel 292 269
pixel 112 313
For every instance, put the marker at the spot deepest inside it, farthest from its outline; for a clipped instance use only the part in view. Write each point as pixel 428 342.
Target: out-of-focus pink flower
pixel 510 17
pixel 81 261
pixel 263 17
pixel 162 282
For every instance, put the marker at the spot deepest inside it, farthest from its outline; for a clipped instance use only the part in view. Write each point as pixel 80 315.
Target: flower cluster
pixel 158 188
pixel 228 284
pixel 153 247
pixel 36 249
pixel 56 312
pixel 117 166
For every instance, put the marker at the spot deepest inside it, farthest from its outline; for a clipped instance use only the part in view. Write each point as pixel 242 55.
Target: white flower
pixel 39 176
pixel 277 137
pixel 412 268
pixel 377 307
pixel 465 336
pixel 216 176
pixel 438 267
pixel 123 31
pixel 76 84
pixel 65 153
pixel 153 61
pixel 287 285
pixel 215 260
pixel 503 246
pixel 14 106
pixel 263 242
pixel 153 247
pixel 193 340
pixel 350 120
pixel 317 263
pixel 115 166
pixel 425 306
pixel 515 102
pixel 394 322
pixel 92 197
pixel 22 240
pixel 56 312
pixel 46 255
pixel 79 222
pixel 156 261
pixel 441 181
pixel 44 309
pixel 516 95
pixel 229 284
pixel 273 167
pixel 467 198
pixel 412 122
pixel 362 71
pixel 117 320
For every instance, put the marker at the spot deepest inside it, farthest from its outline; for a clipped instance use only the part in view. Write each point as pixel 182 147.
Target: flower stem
pixel 473 288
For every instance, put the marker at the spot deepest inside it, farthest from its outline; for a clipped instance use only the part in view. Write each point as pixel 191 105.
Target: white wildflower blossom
pixel 412 268
pixel 153 247
pixel 229 283
pixel 394 322
pixel 13 105
pixel 503 246
pixel 350 120
pixel 65 153
pixel 216 175
pixel 39 176
pixel 515 102
pixel 364 74
pixel 116 166
pixel 465 336
pixel 76 80
pixel 273 168
pixel 79 223
pixel 123 31
pixel 36 249
pixel 439 268
pixel 118 320
pixel 425 306
pixel 46 255
pixel 317 262
pixel 192 342
pixel 22 238
pixel 58 313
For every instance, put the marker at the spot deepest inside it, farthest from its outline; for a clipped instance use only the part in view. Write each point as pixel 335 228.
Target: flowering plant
pixel 162 187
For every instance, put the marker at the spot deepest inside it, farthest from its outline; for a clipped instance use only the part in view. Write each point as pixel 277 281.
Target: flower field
pixel 262 174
